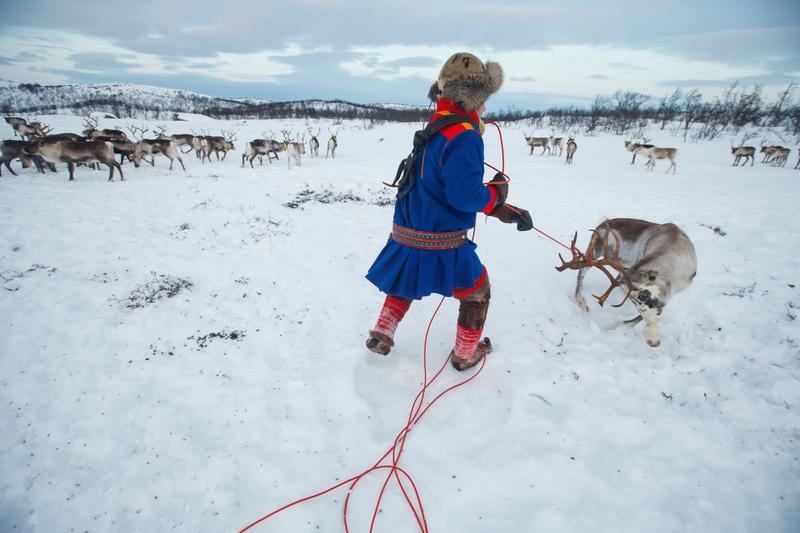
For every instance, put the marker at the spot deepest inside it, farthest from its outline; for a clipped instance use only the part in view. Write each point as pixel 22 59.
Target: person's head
pixel 467 82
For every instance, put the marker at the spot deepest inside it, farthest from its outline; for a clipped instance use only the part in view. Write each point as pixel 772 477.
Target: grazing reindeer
pixel 743 151
pixel 654 260
pixel 533 142
pixel 571 147
pixel 660 153
pixel 332 144
pixel 91 131
pixel 556 142
pixel 72 152
pixel 313 143
pixel 293 149
pixel 152 147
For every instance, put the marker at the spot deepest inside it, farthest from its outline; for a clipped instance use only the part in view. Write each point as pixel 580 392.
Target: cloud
pixel 348 48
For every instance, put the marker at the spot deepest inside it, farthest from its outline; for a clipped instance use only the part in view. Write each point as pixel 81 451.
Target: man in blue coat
pixel 428 250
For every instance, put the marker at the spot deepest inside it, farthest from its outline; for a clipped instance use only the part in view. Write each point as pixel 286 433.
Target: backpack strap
pixel 445 122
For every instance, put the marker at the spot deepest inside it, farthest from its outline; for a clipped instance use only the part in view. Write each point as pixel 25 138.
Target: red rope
pixel 396 450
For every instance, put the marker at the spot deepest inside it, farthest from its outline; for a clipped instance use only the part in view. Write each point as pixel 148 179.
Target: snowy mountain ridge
pixel 126 100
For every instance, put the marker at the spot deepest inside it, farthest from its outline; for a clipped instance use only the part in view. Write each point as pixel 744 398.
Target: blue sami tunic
pixel 447 194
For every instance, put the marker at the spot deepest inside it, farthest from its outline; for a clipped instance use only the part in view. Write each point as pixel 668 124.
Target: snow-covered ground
pixel 185 350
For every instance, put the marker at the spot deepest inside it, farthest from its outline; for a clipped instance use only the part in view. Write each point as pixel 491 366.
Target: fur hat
pixel 466 81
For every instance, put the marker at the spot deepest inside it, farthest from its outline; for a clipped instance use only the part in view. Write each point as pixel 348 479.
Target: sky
pixel 552 53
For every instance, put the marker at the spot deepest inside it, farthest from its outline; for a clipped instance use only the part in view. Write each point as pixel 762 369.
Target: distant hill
pixel 147 102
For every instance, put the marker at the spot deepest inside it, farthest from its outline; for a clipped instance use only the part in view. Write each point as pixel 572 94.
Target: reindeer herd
pixel 94 146
pixel 294 148
pixel 773 154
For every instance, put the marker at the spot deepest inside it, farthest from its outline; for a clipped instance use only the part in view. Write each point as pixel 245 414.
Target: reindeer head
pixel 646 291
pixel 229 137
pixel 40 130
pixel 90 123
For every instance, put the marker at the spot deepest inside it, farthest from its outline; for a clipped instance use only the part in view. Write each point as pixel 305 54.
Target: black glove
pixel 509 214
pixel 500 184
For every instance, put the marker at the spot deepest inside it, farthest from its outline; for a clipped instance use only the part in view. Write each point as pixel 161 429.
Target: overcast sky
pixel 553 53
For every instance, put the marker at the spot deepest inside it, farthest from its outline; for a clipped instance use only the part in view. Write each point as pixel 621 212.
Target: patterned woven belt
pixel 428 240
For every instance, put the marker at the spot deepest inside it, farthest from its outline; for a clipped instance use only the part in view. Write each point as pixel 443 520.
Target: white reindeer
pixel 293 149
pixel 533 142
pixel 653 260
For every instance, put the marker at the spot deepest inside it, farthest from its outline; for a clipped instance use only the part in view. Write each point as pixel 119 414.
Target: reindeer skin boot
pixel 381 337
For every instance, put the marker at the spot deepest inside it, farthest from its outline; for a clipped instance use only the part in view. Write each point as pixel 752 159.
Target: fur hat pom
pixel 466 81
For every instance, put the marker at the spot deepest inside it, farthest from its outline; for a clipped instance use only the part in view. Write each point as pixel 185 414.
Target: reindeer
pixel 152 147
pixel 659 153
pixel 293 149
pixel 781 155
pixel 275 146
pixel 313 142
pixel 332 144
pixel 653 260
pixel 217 144
pixel 179 139
pixel 635 148
pixel 91 131
pixel 15 123
pixel 257 148
pixel 12 149
pixel 572 146
pixel 28 131
pixel 533 142
pixel 72 152
pixel 769 152
pixel 743 151
pixel 556 142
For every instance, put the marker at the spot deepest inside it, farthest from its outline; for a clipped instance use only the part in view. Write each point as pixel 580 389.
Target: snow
pixel 185 350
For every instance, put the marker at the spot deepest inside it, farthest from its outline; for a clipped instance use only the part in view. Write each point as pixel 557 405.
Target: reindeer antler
pixel 161 129
pixel 610 259
pixel 137 132
pixel 90 122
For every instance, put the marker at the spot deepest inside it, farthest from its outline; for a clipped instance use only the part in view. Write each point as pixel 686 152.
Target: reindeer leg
pixel 119 167
pixel 181 162
pixel 71 167
pixel 579 300
pixel 8 166
pixel 652 327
